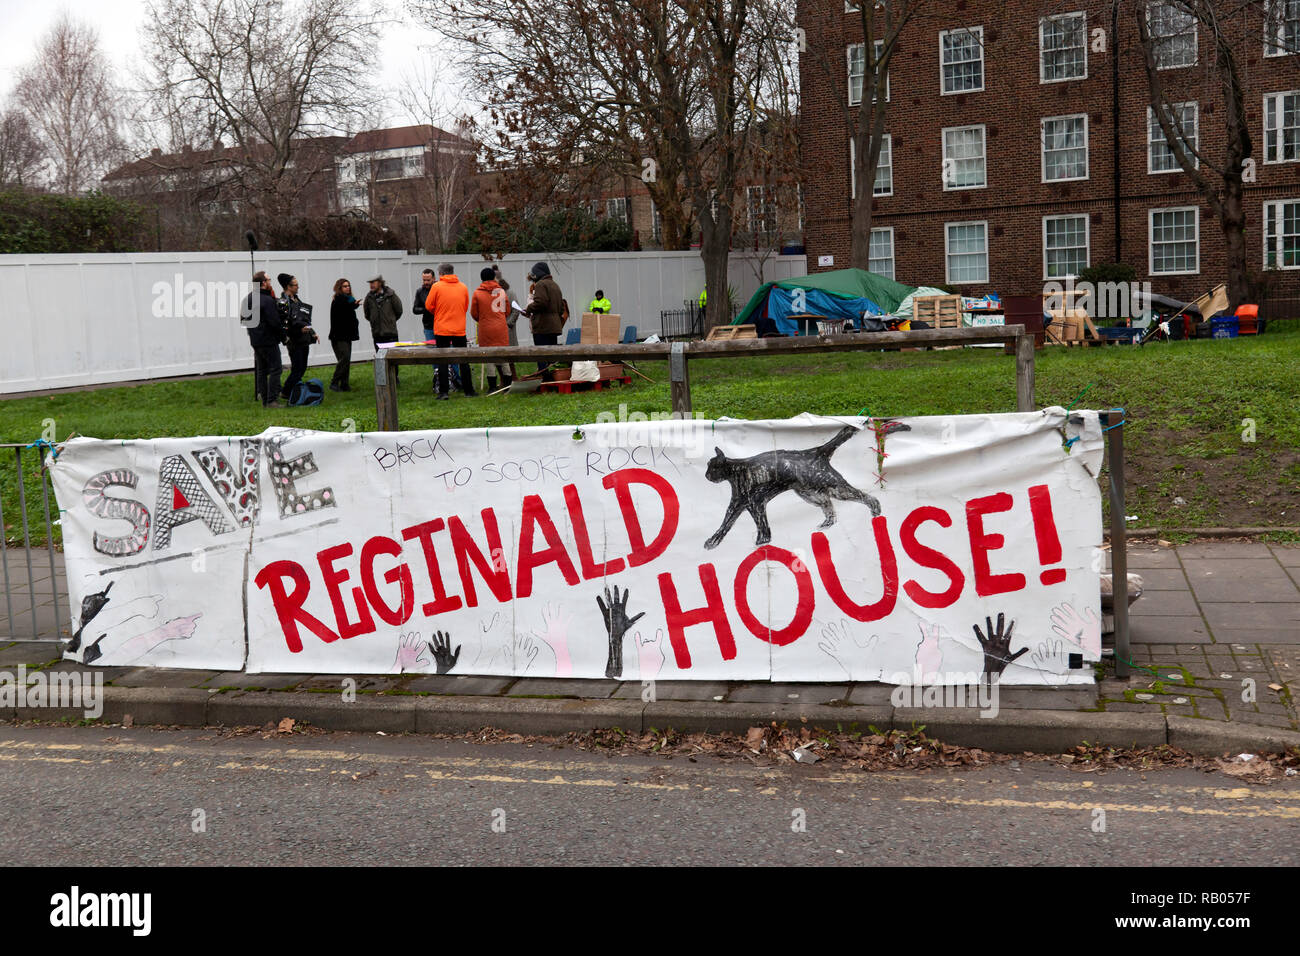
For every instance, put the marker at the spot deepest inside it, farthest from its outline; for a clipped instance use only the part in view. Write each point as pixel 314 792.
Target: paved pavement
pixel 1215 645
pixel 93 797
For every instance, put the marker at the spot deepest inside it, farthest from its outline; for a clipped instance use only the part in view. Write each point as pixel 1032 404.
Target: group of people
pixel 443 306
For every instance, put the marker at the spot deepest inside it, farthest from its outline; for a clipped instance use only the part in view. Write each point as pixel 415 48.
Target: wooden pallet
pixel 941 311
pixel 722 333
pixel 568 386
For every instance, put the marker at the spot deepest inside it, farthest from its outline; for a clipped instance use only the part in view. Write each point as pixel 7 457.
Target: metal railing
pixel 27 596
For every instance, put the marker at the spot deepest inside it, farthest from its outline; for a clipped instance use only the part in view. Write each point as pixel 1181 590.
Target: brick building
pixel 1020 147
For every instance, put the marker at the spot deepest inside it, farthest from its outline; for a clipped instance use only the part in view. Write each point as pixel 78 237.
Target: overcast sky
pixel 23 22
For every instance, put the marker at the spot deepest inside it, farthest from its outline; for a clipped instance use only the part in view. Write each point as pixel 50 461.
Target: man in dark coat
pixel 301 336
pixel 265 332
pixel 383 307
pixel 546 311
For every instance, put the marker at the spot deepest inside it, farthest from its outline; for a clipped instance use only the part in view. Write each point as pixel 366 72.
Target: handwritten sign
pixel 810 549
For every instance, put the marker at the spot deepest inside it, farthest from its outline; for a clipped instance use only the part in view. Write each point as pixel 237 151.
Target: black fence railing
pixel 1277 309
pixel 687 322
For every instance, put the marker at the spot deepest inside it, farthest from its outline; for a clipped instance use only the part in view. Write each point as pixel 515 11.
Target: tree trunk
pixel 715 250
pixel 1234 236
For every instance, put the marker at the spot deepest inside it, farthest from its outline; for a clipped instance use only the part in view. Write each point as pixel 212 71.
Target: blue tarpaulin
pixel 780 305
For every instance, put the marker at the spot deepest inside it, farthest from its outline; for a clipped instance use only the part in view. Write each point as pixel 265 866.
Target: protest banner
pixel 808 549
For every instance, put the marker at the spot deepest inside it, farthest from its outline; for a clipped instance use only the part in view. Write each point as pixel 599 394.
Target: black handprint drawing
pixel 997 646
pixel 443 656
pixel 614 610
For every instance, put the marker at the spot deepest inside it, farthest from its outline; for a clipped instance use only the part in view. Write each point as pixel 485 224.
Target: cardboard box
pixel 600 329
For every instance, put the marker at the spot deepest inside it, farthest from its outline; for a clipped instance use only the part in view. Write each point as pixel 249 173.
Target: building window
pixel 966 251
pixel 1175 241
pixel 881 251
pixel 1065 246
pixel 593 208
pixel 353 197
pixel 1282 234
pixel 1063 48
pixel 1173 35
pixel 1282 127
pixel 616 208
pixel 656 223
pixel 1282 28
pixel 963 158
pixel 760 202
pixel 1160 155
pixel 1065 148
pixel 884 184
pixel 858 71
pixel 391 168
pixel 799 194
pixel 961 58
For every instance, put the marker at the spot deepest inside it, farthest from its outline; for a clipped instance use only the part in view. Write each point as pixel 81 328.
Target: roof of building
pixel 401 137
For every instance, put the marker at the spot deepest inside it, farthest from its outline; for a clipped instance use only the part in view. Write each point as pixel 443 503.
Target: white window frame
pixel 1195 143
pixel 943 90
pixel 1042 25
pixel 893 259
pixel 1042 149
pixel 1276 205
pixel 656 223
pixel 984 156
pixel 1273 45
pixel 947 266
pixel 1277 146
pixel 768 208
pixel 886 148
pixel 1196 39
pixel 1151 245
pixel 862 79
pixel 1087 242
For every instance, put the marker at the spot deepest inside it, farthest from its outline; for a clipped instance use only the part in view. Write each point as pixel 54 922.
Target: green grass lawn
pixel 1185 401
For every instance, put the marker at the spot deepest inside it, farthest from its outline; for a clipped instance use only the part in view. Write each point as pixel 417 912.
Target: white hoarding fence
pixel 94 319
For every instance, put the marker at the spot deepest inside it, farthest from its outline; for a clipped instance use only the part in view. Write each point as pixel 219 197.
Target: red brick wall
pixel 1011 106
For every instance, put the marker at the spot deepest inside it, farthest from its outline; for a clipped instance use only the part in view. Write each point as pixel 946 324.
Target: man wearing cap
pixel 383 308
pixel 600 304
pixel 545 311
pixel 448 301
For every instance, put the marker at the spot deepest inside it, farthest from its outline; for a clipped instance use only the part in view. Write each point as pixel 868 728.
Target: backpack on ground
pixel 308 392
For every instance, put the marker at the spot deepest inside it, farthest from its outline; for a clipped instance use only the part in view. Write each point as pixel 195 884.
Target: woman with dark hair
pixel 343 332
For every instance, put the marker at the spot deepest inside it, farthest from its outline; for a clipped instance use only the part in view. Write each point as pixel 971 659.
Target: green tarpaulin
pixel 845 283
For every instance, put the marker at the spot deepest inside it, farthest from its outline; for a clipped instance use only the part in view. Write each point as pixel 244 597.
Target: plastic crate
pixel 1224 327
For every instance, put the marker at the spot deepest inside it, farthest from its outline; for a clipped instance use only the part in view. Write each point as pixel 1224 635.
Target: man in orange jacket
pixel 448 301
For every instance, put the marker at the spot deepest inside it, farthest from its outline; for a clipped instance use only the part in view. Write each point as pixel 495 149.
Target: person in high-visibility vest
pixel 704 298
pixel 600 303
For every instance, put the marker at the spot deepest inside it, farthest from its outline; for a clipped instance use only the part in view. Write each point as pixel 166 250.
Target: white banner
pixel 921 550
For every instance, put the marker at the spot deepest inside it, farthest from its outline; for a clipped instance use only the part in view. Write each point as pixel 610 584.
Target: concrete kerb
pixel 1012 731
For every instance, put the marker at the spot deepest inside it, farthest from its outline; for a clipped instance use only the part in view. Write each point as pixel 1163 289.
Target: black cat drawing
pixel 807 472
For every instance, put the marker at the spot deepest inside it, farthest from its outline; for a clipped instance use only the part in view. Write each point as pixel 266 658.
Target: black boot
pixel 491 385
pixel 506 380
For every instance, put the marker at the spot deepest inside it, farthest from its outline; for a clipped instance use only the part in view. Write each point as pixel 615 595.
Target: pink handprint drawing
pixel 555 634
pixel 650 654
pixel 929 656
pixel 1081 630
pixel 410 653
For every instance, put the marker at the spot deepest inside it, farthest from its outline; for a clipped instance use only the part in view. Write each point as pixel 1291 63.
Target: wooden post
pixel 1025 372
pixel 1118 540
pixel 679 379
pixel 385 392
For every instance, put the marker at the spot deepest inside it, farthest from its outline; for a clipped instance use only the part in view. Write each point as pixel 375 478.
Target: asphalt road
pixel 107 796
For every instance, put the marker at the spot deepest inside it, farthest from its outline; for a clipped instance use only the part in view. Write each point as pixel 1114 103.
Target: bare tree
pixel 21 152
pixel 73 105
pixel 265 78
pixel 448 188
pixel 1169 33
pixel 668 91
